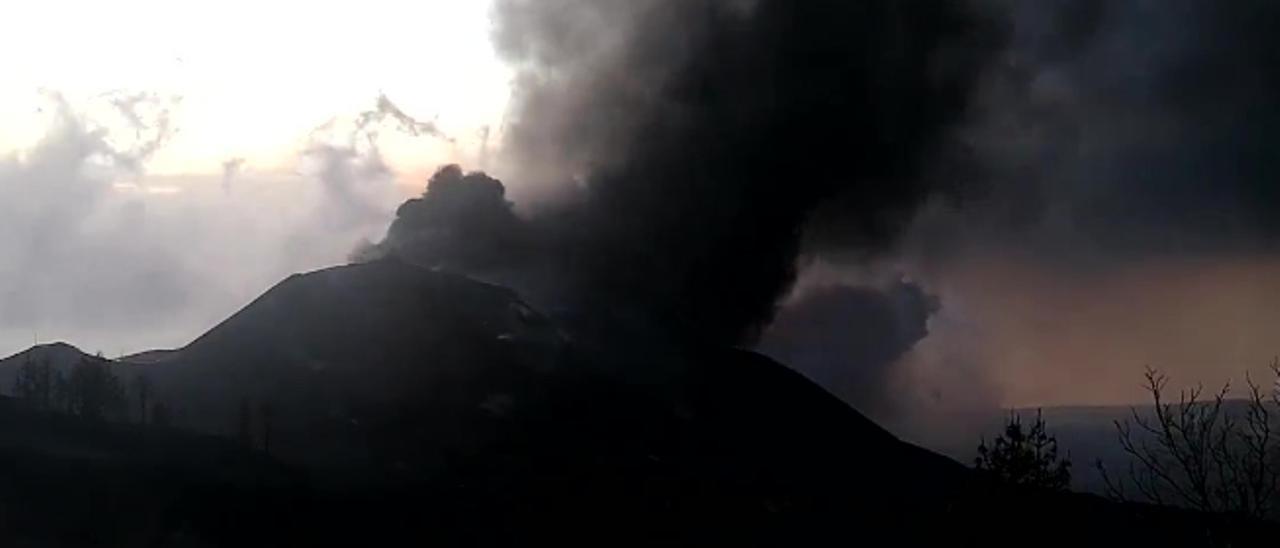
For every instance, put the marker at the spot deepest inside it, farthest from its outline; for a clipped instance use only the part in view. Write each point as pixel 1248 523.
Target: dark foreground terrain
pixel 413 407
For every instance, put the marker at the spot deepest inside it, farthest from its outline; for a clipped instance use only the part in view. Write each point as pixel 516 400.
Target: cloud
pixel 1120 128
pixel 462 222
pixel 62 233
pixel 230 168
pixel 148 115
pixel 384 109
pixel 1114 160
pixel 347 161
pixel 850 339
pixel 673 147
pixel 98 252
pixel 676 165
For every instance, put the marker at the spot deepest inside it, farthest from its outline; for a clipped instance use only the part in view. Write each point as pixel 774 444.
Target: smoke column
pixel 681 148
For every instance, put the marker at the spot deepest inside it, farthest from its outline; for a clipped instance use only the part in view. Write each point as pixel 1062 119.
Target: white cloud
pixel 96 252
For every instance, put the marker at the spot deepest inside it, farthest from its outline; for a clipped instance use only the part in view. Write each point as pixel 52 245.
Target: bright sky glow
pixel 253 77
pixel 116 241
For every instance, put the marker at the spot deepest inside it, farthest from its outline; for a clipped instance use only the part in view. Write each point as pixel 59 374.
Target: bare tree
pixel 1212 454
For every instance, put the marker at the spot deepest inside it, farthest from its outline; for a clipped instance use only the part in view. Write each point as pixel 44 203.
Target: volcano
pixel 422 404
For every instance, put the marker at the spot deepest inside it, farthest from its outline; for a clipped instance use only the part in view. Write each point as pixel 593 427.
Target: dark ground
pixel 460 417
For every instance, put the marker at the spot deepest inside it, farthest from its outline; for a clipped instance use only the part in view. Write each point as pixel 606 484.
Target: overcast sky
pixel 254 77
pixel 165 162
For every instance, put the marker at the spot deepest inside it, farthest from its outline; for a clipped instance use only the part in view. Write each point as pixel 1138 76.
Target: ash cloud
pixel 681 147
pixel 348 163
pixel 462 222
pixel 1121 128
pixel 851 338
pixel 678 164
pixel 1116 162
pixel 384 109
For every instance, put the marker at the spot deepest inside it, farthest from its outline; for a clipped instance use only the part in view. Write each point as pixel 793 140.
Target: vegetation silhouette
pixel 1213 454
pixel 1025 457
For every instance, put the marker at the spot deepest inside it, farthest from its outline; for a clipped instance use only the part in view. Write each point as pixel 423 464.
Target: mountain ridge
pixel 423 403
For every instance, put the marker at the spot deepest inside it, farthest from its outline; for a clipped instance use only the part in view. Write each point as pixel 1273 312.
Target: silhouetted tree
pixel 1202 453
pixel 94 389
pixel 266 413
pixel 245 432
pixel 61 392
pixel 34 383
pixel 160 415
pixel 1025 457
pixel 22 385
pixel 142 389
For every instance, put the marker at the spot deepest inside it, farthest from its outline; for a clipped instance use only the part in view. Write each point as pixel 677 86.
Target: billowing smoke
pixel 1118 187
pixel 675 164
pixel 348 163
pixel 148 115
pixel 384 109
pixel 680 147
pixel 1115 129
pixel 1121 160
pixel 464 223
pixel 849 339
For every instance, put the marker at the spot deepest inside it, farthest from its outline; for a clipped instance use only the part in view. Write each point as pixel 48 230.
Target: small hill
pixel 60 356
pixel 382 319
pixel 340 358
pixel 149 357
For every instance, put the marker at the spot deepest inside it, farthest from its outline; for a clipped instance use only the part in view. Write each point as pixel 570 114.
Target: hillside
pixel 423 405
pixel 339 357
pixel 68 482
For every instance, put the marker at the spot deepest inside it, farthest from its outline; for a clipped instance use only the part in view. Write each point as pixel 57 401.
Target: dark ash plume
pixel 694 139
pixel 1129 128
pixel 849 339
pixel 463 223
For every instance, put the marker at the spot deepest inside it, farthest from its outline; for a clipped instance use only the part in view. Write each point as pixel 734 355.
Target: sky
pixel 163 163
pixel 252 78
